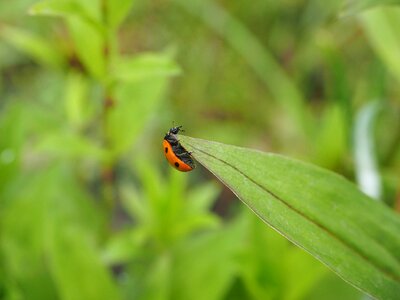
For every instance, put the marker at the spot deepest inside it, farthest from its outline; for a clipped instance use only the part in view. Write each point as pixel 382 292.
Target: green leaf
pixel 78 107
pixel 157 278
pixel 117 11
pixel 35 46
pixel 89 9
pixel 55 8
pixel 89 44
pixel 211 273
pixel 75 146
pixel 85 25
pixel 163 199
pixel 355 6
pixel 330 140
pixel 331 287
pixel 28 220
pixel 14 121
pixel 144 66
pixel 381 29
pixel 317 210
pixel 92 9
pixel 135 102
pixel 201 198
pixel 76 266
pixel 124 245
pixel 271 267
pixel 302 273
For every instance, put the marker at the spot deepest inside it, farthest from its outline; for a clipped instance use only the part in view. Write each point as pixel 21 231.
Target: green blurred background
pixel 89 208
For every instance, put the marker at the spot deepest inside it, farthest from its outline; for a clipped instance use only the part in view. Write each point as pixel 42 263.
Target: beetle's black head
pixel 175 130
pixel 171 137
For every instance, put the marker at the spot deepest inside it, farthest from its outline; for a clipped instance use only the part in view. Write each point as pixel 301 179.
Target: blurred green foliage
pixel 88 207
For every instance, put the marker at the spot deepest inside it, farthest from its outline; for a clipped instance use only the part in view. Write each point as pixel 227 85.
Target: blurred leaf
pixel 380 27
pixel 150 279
pixel 56 8
pixel 92 8
pixel 319 211
pixel 302 273
pixel 117 11
pixel 205 265
pixel 39 48
pixel 332 287
pixel 367 173
pixel 201 197
pixel 158 278
pixel 196 222
pixel 19 120
pixel 262 260
pixel 180 207
pixel 76 266
pixel 89 45
pixel 13 135
pixel 317 13
pixel 355 6
pixel 134 203
pixel 271 267
pixel 197 211
pixel 27 218
pixel 135 102
pixel 124 246
pixel 22 223
pixel 161 202
pixel 77 101
pixel 86 29
pixel 339 90
pixel 389 142
pixel 330 142
pixel 88 9
pixel 143 66
pixel 74 146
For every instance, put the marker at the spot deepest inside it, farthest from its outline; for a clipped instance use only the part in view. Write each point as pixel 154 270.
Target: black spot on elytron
pixel 177 165
pixel 166 150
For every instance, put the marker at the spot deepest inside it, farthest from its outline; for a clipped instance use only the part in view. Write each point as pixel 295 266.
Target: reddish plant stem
pixel 108 168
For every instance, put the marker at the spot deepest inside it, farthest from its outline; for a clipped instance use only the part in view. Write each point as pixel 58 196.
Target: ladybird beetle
pixel 176 155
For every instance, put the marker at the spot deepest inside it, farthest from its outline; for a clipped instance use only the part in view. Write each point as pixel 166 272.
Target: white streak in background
pixel 367 173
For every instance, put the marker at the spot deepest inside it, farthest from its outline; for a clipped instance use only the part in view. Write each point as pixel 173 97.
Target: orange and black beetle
pixel 176 155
